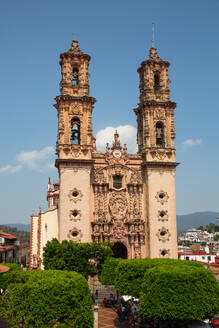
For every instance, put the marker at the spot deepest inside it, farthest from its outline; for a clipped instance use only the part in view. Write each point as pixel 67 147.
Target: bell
pixel 75 126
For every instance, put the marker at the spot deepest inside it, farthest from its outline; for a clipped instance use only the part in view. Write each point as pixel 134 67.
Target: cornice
pixel 152 104
pixel 74 162
pixel 155 165
pixel 73 98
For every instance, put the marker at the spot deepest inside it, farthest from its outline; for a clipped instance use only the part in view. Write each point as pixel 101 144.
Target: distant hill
pixel 184 222
pixel 19 226
pixel 22 236
pixel 195 220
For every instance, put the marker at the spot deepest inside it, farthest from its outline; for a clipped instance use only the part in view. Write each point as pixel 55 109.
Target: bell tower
pixel 155 138
pixel 74 145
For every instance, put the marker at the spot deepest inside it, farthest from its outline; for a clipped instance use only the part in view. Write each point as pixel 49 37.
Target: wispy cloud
pixel 34 158
pixel 192 142
pixel 127 135
pixel 10 169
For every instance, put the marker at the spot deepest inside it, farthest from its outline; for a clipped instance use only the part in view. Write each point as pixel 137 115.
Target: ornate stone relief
pixel 118 206
pixel 119 231
pixel 75 195
pixel 75 110
pixel 163 234
pixel 162 197
pixel 75 215
pixel 162 216
pixel 160 114
pixel 74 235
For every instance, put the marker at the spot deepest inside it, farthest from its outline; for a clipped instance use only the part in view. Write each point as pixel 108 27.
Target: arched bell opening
pixel 120 250
pixel 75 131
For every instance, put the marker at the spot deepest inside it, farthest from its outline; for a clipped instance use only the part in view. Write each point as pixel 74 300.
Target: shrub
pixel 179 292
pixel 130 273
pixel 108 274
pixel 48 299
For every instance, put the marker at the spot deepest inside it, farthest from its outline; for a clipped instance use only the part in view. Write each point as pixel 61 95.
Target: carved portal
pixel 118 212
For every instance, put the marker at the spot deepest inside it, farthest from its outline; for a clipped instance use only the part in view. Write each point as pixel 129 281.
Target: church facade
pixel 127 199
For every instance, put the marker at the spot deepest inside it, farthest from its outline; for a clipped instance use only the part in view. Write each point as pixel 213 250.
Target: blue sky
pixel 117 35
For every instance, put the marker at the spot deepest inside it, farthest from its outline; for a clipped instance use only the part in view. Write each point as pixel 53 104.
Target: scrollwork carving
pixel 118 206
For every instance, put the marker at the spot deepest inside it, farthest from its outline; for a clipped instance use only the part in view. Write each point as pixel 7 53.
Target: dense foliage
pixel 177 292
pixel 130 273
pixel 15 274
pixel 48 299
pixel 85 258
pixel 22 236
pixel 211 227
pixel 108 274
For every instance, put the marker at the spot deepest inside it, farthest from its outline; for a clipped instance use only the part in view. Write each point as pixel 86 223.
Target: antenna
pixel 74 36
pixel 153 35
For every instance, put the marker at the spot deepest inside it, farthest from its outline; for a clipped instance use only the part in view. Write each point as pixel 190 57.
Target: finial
pixel 153 35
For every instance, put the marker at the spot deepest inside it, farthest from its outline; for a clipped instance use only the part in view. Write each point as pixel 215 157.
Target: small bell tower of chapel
pixel 74 145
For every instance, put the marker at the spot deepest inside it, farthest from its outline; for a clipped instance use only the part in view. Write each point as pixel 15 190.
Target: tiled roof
pixel 3 268
pixel 7 235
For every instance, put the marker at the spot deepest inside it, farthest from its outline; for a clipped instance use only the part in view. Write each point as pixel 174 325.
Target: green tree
pixel 15 274
pixel 48 299
pixel 216 237
pixel 85 258
pixel 179 293
pixel 108 273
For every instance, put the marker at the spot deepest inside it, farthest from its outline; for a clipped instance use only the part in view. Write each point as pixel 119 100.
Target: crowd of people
pixel 127 310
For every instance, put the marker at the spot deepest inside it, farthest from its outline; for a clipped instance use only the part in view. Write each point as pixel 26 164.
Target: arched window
pixel 159 134
pixel 156 82
pixel 75 76
pixel 75 131
pixel 117 181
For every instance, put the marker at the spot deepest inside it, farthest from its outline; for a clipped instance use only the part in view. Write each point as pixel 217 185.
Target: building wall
pixel 49 229
pixel 162 229
pixel 74 209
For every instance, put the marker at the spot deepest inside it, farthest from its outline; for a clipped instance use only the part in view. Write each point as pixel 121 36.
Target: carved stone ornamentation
pixel 75 215
pixel 159 114
pixel 162 216
pixel 118 206
pixel 119 231
pixel 164 252
pixel 163 234
pixel 74 235
pixel 162 197
pixel 75 195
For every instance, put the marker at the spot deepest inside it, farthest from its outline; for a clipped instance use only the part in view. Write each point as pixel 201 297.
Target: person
pixel 96 296
pixel 104 301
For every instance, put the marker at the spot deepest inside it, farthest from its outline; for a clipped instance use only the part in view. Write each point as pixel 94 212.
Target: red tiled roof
pixel 3 268
pixel 7 235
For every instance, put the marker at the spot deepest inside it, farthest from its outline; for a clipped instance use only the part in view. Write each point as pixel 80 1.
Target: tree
pixel 15 274
pixel 108 274
pixel 48 299
pixel 85 258
pixel 130 273
pixel 216 237
pixel 176 292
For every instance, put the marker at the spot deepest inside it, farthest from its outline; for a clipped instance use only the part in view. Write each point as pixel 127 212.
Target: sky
pixel 117 35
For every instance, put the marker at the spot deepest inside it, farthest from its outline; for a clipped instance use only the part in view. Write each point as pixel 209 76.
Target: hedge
pixel 108 274
pixel 130 273
pixel 179 293
pixel 48 299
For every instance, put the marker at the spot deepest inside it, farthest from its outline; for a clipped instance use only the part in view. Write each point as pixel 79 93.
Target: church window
pixel 75 213
pixel 117 181
pixel 161 195
pixel 75 131
pixel 164 252
pixel 159 134
pixel 156 82
pixel 75 233
pixel 75 193
pixel 75 76
pixel 163 233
